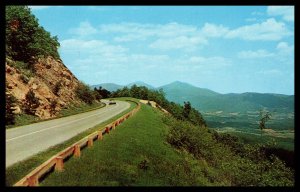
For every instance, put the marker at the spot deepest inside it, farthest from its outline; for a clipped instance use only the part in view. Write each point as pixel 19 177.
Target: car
pixel 111 102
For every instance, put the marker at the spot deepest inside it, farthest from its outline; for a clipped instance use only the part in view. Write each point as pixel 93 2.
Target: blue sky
pixel 228 49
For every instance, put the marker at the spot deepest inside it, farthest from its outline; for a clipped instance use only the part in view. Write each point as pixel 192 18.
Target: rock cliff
pixel 52 83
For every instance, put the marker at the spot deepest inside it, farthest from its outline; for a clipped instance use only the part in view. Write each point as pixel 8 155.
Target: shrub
pixel 228 160
pixel 101 93
pixel 84 93
pixel 228 140
pixel 31 102
pixel 53 106
pixel 57 87
pixel 10 102
pixel 24 78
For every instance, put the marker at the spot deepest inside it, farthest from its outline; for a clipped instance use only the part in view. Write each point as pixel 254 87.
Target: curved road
pixel 25 141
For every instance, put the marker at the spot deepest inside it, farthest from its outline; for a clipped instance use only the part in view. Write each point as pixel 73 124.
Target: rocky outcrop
pixel 48 74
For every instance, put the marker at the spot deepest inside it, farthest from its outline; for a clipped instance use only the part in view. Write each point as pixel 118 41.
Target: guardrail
pixel 57 161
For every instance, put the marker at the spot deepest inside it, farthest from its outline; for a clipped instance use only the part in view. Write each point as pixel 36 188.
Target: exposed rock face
pixel 48 72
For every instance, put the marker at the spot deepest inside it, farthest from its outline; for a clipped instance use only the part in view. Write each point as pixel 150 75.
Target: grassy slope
pixel 19 170
pixel 115 160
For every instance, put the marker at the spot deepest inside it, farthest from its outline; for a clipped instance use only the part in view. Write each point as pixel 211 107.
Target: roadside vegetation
pixel 17 171
pixel 186 112
pixel 228 159
pixel 152 149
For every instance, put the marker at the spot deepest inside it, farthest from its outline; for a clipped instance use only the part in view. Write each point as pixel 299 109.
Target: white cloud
pixel 285 53
pixel 209 62
pixel 257 13
pixel 138 31
pixel 284 49
pixel 261 53
pixel 91 47
pixel 287 12
pixel 269 30
pixel 212 30
pixel 34 7
pixel 181 42
pixel 178 36
pixel 252 19
pixel 84 29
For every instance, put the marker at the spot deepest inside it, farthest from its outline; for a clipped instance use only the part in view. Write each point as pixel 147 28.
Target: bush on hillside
pixel 31 102
pixel 57 87
pixel 84 93
pixel 24 78
pixel 10 102
pixel 53 105
pixel 228 160
pixel 101 93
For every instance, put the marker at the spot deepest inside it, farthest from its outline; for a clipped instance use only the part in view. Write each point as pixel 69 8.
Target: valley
pixel 234 113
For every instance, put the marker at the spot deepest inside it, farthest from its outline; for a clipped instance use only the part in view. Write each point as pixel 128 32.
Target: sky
pixel 228 49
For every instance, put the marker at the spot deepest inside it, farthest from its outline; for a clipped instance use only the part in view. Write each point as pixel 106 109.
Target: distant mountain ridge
pixel 140 83
pixel 108 86
pixel 114 86
pixel 208 100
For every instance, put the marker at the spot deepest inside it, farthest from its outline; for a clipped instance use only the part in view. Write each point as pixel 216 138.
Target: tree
pixel 10 103
pixel 84 93
pixel 98 96
pixel 26 40
pixel 31 102
pixel 264 117
pixel 186 109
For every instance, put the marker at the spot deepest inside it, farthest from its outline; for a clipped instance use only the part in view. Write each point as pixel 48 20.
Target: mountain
pixel 140 83
pixel 208 100
pixel 108 86
pixel 181 90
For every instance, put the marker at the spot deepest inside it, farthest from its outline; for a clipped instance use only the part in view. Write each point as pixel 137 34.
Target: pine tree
pixel 10 102
pixel 31 102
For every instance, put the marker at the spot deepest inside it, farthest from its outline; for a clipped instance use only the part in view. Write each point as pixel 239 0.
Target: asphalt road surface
pixel 25 141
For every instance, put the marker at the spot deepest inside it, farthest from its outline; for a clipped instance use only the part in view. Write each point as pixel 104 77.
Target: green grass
pixel 19 170
pixel 73 109
pixel 115 160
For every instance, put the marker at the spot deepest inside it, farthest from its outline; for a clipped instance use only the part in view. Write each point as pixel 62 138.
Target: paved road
pixel 25 141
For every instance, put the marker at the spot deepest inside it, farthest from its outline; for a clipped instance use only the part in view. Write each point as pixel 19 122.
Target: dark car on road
pixel 111 102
